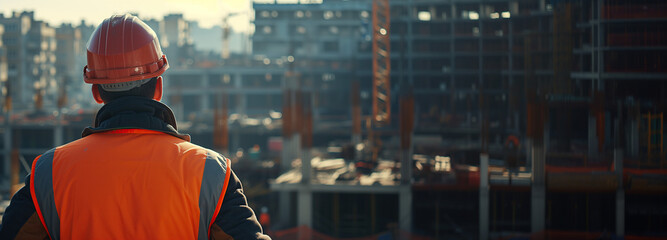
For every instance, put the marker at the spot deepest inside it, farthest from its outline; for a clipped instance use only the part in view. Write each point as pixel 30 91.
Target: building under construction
pixel 529 116
pixel 434 119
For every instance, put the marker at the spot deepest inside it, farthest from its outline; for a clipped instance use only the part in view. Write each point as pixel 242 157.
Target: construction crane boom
pixel 226 28
pixel 381 63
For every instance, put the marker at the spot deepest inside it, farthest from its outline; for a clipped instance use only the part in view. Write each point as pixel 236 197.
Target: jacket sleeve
pixel 236 220
pixel 20 221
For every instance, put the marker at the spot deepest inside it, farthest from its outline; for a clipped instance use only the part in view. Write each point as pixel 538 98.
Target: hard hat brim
pixel 107 76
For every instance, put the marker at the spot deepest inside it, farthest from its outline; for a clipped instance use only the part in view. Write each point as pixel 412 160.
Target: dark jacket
pixel 235 220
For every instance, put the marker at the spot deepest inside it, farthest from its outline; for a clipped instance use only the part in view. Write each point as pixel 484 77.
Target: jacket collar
pixel 135 113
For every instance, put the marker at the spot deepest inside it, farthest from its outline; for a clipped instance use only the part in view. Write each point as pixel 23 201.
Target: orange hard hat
pixel 123 49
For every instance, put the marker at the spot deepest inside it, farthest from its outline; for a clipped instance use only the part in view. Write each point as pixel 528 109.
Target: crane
pixel 381 63
pixel 381 114
pixel 226 28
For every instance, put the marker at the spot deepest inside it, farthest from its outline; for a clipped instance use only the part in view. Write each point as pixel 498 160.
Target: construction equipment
pixel 381 63
pixel 226 28
pixel 381 114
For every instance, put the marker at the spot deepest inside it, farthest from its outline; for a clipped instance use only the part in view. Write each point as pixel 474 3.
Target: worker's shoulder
pixel 73 144
pixel 189 147
pixel 168 146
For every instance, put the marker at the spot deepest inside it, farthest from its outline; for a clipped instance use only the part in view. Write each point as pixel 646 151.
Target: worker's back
pixel 132 175
pixel 130 184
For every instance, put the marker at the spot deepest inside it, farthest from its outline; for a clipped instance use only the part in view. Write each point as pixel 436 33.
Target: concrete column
pixel 484 196
pixel 241 104
pixel 538 191
pixel 406 167
pixel 291 150
pixel 240 109
pixel 240 98
pixel 528 145
pixel 296 146
pixel 620 193
pixel 285 208
pixel 306 168
pixel 405 208
pixel 286 155
pixel 305 205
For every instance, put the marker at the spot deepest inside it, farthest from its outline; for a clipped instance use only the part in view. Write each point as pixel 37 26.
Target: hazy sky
pixel 206 12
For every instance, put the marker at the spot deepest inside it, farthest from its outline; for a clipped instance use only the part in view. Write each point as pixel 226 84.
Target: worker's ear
pixel 157 96
pixel 96 94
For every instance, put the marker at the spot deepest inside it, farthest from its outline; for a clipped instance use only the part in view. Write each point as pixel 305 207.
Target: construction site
pixel 401 119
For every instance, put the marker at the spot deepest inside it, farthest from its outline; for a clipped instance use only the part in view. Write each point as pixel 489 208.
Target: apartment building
pixel 31 46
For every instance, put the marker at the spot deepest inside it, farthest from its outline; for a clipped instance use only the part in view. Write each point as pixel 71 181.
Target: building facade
pixel 176 40
pixel 71 56
pixel 319 43
pixel 464 61
pixel 3 68
pixel 31 46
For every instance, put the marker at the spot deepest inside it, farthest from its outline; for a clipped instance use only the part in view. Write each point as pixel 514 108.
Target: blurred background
pixel 384 119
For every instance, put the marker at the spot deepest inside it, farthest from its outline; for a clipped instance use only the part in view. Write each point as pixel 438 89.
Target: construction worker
pixel 132 175
pixel 265 219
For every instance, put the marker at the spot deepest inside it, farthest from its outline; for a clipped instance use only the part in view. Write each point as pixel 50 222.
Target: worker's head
pixel 124 59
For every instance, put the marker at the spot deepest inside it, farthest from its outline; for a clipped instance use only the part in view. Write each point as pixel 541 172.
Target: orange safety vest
pixel 129 184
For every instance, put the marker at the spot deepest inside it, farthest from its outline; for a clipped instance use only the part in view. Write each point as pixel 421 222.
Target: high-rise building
pixel 619 61
pixel 86 31
pixel 464 61
pixel 71 55
pixel 14 38
pixel 175 30
pixel 41 48
pixel 176 40
pixel 3 68
pixel 31 46
pixel 210 39
pixel 3 73
pixel 319 43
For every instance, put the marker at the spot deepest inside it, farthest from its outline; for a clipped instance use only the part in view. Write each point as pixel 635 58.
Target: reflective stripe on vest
pixel 215 178
pixel 213 187
pixel 41 189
